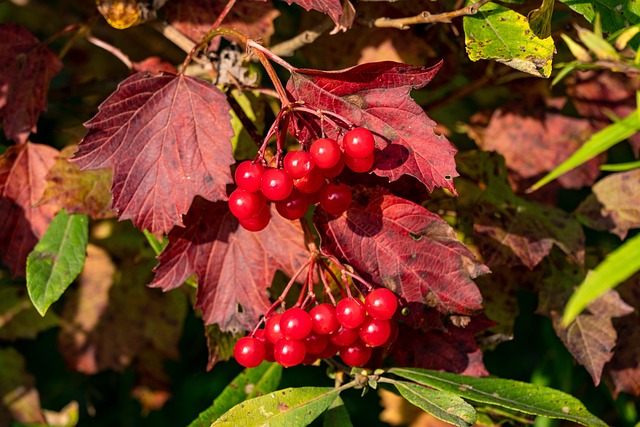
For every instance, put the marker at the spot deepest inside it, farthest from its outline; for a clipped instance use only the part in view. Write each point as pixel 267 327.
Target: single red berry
pixel 261 336
pixel 350 312
pixel 248 175
pixel 272 328
pixel 330 350
pixel 259 221
pixel 360 165
pixel 309 359
pixel 293 207
pixel 324 319
pixel 335 198
pixel 343 336
pixel 356 354
pixel 249 352
pixel 311 182
pixel 298 163
pixel 245 204
pixel 358 143
pixel 325 152
pixel 316 343
pixel 289 352
pixel 374 332
pixel 334 171
pixel 295 323
pixel 276 184
pixel 381 304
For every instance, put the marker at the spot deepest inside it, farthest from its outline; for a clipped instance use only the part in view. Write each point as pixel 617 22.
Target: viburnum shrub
pixel 312 213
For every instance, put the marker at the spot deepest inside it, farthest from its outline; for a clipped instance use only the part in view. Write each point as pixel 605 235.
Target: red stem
pixel 223 14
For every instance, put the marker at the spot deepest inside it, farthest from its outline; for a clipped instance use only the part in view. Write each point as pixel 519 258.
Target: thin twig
pixel 175 36
pixel 426 17
pixel 289 47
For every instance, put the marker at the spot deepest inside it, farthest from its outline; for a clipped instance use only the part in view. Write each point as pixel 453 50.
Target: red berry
pixel 295 323
pixel 358 143
pixel 289 352
pixel 293 207
pixel 298 163
pixel 357 354
pixel 360 165
pixel 261 336
pixel 259 221
pixel 343 336
pixel 272 328
pixel 330 350
pixel 350 312
pixel 249 352
pixel 244 204
pixel 374 332
pixel 381 304
pixel 276 184
pixel 325 152
pixel 335 198
pixel 324 319
pixel 316 343
pixel 310 183
pixel 334 171
pixel 248 175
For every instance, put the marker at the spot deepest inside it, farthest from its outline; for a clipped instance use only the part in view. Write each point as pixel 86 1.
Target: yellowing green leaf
pixel 500 34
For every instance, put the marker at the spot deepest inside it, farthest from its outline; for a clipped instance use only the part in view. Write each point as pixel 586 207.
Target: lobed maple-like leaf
pixel 167 138
pixel 377 96
pixel 195 18
pixel 398 244
pixel 547 138
pixel 234 266
pixel 613 206
pixel 23 169
pixel 112 320
pixel 508 229
pixel 26 68
pixel 79 192
pixel 333 8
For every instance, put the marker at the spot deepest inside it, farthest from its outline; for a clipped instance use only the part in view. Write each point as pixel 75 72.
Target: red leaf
pixel 195 18
pixel 23 169
pixel 452 350
pixel 234 266
pixel 333 8
pixel 398 244
pixel 377 96
pixel 167 139
pixel 26 69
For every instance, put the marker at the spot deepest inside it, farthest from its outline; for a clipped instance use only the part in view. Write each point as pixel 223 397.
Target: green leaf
pixel 617 267
pixel 441 404
pixel 503 35
pixel 598 143
pixel 599 46
pixel 57 259
pixel 250 383
pixel 540 19
pixel 576 49
pixel 284 408
pixel 613 14
pixel 337 415
pixel 516 395
pixel 620 167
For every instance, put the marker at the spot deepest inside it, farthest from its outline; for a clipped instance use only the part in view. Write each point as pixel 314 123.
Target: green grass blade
pixel 618 266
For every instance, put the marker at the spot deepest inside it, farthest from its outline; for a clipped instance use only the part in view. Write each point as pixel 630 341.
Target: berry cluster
pixel 351 329
pixel 301 180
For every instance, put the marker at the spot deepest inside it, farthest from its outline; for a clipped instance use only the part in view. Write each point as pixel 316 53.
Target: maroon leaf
pixel 333 8
pixel 547 138
pixel 398 244
pixel 23 169
pixel 26 69
pixel 195 18
pixel 234 266
pixel 452 350
pixel 167 139
pixel 377 96
pixel 614 203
